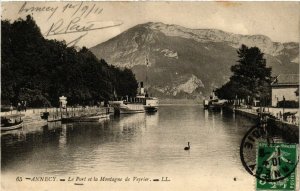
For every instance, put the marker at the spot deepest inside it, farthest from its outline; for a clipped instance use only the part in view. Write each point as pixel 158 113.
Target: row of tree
pixel 251 77
pixel 38 70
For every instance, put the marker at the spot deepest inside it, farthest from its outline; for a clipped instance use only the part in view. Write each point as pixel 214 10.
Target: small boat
pixel 53 120
pixel 93 118
pixel 96 118
pixel 50 117
pixel 125 107
pixel 215 105
pixel 11 122
pixel 151 104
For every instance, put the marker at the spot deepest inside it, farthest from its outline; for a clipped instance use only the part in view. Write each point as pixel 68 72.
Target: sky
pixel 67 20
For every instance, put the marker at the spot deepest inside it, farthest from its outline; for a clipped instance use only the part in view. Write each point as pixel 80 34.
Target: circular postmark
pixel 266 160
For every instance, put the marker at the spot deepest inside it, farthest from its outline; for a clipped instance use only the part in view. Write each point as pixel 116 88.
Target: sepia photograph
pixel 150 95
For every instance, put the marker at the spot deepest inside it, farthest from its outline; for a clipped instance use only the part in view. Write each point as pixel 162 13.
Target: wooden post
pixel 60 110
pixel 283 107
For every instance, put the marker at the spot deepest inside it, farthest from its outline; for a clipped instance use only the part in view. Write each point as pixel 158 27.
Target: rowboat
pixel 11 122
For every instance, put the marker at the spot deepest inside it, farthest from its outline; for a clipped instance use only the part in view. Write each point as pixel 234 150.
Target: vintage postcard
pixel 149 95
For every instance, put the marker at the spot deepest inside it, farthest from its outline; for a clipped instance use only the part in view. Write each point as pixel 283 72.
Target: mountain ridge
pixel 175 52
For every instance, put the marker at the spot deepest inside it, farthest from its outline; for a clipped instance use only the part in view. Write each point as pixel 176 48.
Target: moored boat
pixel 93 118
pixel 11 122
pixel 125 107
pixel 214 103
pixel 50 117
pixel 139 104
pixel 151 104
pixel 205 104
pixel 53 120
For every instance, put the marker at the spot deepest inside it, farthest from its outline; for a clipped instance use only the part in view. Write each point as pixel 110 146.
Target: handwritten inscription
pixel 82 10
pixel 25 8
pixel 80 18
pixel 79 9
pixel 60 27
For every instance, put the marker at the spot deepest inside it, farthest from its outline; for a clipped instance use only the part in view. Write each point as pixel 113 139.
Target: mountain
pixel 189 62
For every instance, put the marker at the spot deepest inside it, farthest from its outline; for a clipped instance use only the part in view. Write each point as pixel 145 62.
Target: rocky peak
pixel 214 35
pixel 186 61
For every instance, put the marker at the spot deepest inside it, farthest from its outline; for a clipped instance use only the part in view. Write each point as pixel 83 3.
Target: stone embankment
pixel 33 117
pixel 289 124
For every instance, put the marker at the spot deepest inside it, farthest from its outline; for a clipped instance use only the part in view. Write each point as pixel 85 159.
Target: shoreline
pixel 291 129
pixel 33 116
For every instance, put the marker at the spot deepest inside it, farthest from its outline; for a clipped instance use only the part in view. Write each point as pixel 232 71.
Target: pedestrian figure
pixel 22 105
pixel 107 109
pixel 290 119
pixel 25 105
pixel 19 107
pixel 293 118
pixel 280 114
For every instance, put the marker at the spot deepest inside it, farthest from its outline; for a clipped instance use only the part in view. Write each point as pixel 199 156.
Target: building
pixel 285 86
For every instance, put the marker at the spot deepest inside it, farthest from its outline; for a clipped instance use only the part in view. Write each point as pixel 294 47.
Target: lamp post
pixel 248 101
pixel 235 104
pixel 268 104
pixel 62 104
pixel 260 106
pixel 283 106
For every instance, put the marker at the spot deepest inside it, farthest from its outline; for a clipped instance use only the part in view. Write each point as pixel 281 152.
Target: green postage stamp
pixel 276 166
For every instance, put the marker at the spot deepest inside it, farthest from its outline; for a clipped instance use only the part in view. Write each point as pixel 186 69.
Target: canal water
pixel 138 145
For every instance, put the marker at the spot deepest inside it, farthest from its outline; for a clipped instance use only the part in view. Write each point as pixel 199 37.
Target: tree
pixel 40 71
pixel 251 77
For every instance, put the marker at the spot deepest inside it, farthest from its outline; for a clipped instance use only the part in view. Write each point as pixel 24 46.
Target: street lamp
pixel 248 101
pixel 236 100
pixel 283 98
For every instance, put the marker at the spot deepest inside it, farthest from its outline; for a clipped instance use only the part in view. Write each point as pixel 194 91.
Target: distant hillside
pixel 39 71
pixel 189 62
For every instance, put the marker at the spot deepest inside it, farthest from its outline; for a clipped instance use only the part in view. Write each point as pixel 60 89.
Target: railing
pixel 38 111
pixel 277 113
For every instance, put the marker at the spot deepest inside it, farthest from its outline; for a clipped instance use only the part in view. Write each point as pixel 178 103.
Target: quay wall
pixel 250 114
pixel 38 111
pixel 32 117
pixel 290 129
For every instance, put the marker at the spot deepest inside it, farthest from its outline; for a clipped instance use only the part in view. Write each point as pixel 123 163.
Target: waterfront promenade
pixel 288 125
pixel 38 111
pixel 34 115
pixel 275 112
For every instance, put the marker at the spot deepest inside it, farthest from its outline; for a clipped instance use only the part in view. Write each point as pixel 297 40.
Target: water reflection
pixel 16 147
pixel 63 136
pixel 140 143
pixel 145 144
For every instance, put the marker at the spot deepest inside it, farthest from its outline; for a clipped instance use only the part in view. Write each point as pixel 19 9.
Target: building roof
pixel 286 79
